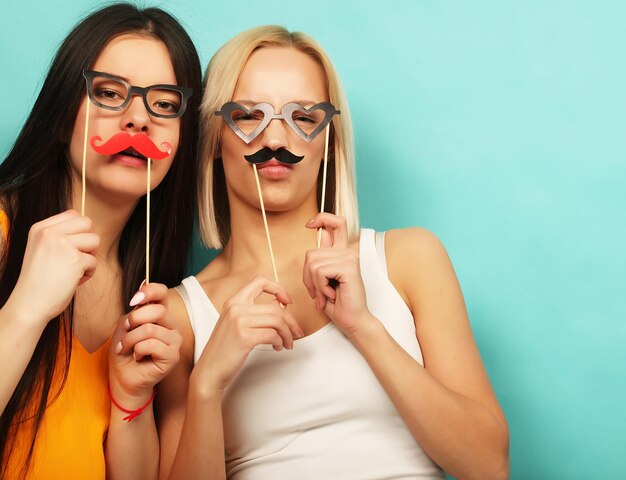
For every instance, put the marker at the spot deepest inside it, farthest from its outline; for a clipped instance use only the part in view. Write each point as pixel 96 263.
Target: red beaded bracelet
pixel 132 413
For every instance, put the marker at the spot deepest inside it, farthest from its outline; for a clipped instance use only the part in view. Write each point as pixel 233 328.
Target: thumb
pixel 121 328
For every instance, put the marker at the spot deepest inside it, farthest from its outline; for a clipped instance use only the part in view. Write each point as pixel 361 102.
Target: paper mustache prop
pixel 124 140
pixel 282 155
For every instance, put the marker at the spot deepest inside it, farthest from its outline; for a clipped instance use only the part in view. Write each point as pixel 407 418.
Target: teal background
pixel 500 126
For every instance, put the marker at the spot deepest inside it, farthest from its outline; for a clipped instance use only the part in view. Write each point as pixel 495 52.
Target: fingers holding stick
pixel 334 230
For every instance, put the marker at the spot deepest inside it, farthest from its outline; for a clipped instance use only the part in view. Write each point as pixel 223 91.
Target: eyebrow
pixel 116 75
pixel 127 80
pixel 304 103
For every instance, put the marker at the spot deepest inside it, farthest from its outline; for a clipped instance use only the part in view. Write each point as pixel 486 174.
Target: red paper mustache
pixel 123 140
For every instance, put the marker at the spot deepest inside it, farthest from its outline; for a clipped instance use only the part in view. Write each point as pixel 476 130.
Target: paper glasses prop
pixel 248 123
pixel 114 93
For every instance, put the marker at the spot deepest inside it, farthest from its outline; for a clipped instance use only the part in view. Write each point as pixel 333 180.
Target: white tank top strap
pixel 380 249
pixel 372 260
pixel 182 291
pixel 202 313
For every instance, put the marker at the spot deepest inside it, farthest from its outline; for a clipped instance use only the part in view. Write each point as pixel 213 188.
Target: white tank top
pixel 318 412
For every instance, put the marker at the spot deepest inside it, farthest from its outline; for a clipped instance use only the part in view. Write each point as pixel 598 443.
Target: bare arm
pixel 201 450
pixel 19 334
pixel 144 348
pixel 132 449
pixel 449 404
pixel 59 256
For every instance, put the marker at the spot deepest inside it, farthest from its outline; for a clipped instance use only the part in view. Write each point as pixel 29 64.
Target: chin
pixel 120 190
pixel 280 204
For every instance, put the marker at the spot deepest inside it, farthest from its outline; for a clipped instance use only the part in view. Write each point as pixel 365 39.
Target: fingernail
pixel 134 357
pixel 137 299
pixel 143 282
pixel 118 347
pixel 127 324
pixel 310 222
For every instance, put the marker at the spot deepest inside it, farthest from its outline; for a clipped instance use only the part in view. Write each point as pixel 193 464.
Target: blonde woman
pixel 360 362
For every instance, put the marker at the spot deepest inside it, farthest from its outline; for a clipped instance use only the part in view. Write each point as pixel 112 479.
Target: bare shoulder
pixel 178 311
pixel 177 306
pixel 413 243
pixel 219 283
pixel 418 264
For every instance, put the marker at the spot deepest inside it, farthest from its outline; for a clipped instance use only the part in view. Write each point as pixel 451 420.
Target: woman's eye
pixel 108 94
pixel 166 106
pixel 304 119
pixel 246 117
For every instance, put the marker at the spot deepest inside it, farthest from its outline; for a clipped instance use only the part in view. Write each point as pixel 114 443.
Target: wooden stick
pixel 267 230
pixel 148 225
pixel 84 184
pixel 323 201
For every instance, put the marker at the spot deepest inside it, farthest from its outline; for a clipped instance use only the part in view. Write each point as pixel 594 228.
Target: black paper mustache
pixel 265 154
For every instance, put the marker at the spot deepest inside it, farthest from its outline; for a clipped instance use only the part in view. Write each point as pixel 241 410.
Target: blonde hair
pixel 221 78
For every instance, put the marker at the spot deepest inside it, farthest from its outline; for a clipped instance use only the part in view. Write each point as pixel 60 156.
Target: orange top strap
pixel 4 224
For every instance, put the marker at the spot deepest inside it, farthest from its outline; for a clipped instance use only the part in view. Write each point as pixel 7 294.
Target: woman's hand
pixel 332 276
pixel 145 347
pixel 243 325
pixel 59 256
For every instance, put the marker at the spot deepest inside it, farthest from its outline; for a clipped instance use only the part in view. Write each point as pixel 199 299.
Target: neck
pixel 109 216
pixel 247 248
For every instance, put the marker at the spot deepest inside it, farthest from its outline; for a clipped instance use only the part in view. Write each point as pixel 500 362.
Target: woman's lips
pixel 130 160
pixel 274 169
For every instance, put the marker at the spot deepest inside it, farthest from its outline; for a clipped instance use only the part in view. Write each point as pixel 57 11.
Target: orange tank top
pixel 70 440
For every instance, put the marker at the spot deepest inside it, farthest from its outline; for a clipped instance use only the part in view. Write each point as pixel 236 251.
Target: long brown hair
pixel 35 183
